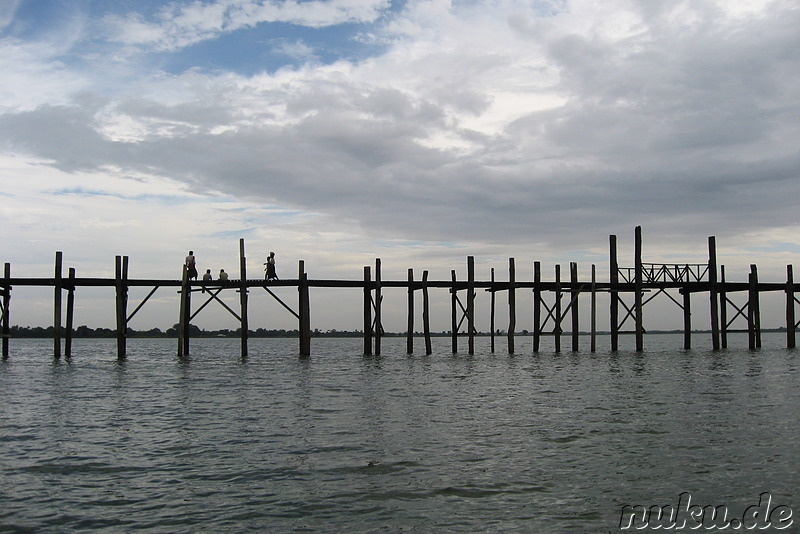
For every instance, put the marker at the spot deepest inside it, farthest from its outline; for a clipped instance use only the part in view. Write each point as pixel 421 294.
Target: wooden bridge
pixel 627 287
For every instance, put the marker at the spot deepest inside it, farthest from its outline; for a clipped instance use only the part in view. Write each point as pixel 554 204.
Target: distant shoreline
pixel 23 332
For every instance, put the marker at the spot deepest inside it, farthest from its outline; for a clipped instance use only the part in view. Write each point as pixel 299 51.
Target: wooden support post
pixel 426 322
pixel 57 307
pixel 713 296
pixel 593 335
pixel 723 309
pixel 491 315
pixel 410 326
pixel 121 285
pixel 453 314
pixel 378 302
pixel 758 309
pixel 790 315
pixel 537 305
pixel 754 309
pixel 6 311
pixel 614 292
pixel 185 314
pixel 70 313
pixel 367 310
pixel 638 283
pixel 751 321
pixel 575 292
pixel 304 305
pixel 557 313
pixel 471 302
pixel 245 323
pixel 687 318
pixel 512 304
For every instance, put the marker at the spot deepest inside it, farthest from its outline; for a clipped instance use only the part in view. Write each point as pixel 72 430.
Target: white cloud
pixel 7 10
pixel 181 25
pixel 33 75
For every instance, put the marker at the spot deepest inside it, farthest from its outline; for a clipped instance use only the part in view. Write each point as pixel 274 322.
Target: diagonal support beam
pixel 281 302
pixel 139 307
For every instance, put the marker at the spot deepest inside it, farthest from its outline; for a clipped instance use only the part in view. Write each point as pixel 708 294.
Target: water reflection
pixel 552 442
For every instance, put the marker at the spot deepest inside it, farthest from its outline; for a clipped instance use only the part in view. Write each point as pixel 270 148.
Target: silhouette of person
pixel 207 277
pixel 191 268
pixel 270 263
pixel 223 276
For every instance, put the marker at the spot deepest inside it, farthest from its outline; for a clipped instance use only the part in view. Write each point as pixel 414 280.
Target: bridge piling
pixel 6 311
pixel 512 304
pixel 791 323
pixel 57 283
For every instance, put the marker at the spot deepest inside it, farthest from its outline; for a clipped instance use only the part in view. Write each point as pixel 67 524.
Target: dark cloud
pixel 675 126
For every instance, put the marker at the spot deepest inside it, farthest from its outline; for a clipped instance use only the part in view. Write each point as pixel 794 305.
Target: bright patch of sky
pixel 272 47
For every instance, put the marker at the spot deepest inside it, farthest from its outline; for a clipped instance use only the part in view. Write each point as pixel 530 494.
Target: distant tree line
pixel 84 331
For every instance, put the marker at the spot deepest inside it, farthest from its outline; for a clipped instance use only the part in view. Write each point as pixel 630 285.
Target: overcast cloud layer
pixel 343 128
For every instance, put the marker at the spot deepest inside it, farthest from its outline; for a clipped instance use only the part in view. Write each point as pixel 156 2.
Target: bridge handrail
pixel 666 272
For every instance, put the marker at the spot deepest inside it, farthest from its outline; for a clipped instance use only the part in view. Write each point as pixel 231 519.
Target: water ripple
pixel 345 443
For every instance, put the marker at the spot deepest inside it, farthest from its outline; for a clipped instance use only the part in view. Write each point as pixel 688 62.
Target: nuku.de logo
pixel 690 516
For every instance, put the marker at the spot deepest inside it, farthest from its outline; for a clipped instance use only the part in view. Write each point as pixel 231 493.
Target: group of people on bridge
pixel 191 269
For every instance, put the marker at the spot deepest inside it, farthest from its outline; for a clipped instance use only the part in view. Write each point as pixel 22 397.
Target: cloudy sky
pixel 417 131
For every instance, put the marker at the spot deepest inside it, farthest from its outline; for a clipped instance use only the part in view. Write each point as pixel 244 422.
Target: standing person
pixel 271 267
pixel 223 276
pixel 191 268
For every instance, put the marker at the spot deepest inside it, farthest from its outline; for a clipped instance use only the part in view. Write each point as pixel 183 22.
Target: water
pixel 342 442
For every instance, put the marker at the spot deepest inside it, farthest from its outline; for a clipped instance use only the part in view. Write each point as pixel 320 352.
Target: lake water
pixel 342 442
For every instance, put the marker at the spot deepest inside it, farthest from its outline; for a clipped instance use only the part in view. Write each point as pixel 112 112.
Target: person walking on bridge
pixel 270 263
pixel 191 267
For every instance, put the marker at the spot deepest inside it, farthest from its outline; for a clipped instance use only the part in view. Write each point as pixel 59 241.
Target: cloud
pixel 7 11
pixel 181 25
pixel 515 123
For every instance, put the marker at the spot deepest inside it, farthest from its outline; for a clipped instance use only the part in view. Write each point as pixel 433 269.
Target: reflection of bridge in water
pixel 627 288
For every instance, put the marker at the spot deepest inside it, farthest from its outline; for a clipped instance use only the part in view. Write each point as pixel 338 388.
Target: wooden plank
pixel 471 303
pixel 687 320
pixel 6 323
pixel 378 302
pixel 492 314
pixel 638 307
pixel 70 314
pixel 537 305
pixel 512 304
pixel 614 292
pixel 278 299
pixel 723 309
pixel 753 327
pixel 184 315
pixel 426 322
pixel 304 305
pixel 557 311
pixel 790 315
pixel 453 311
pixel 593 320
pixel 57 307
pixel 712 292
pixel 575 292
pixel 756 306
pixel 367 310
pixel 245 322
pixel 120 274
pixel 410 314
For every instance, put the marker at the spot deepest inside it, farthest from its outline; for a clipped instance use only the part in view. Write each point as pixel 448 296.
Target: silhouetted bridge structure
pixel 629 289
